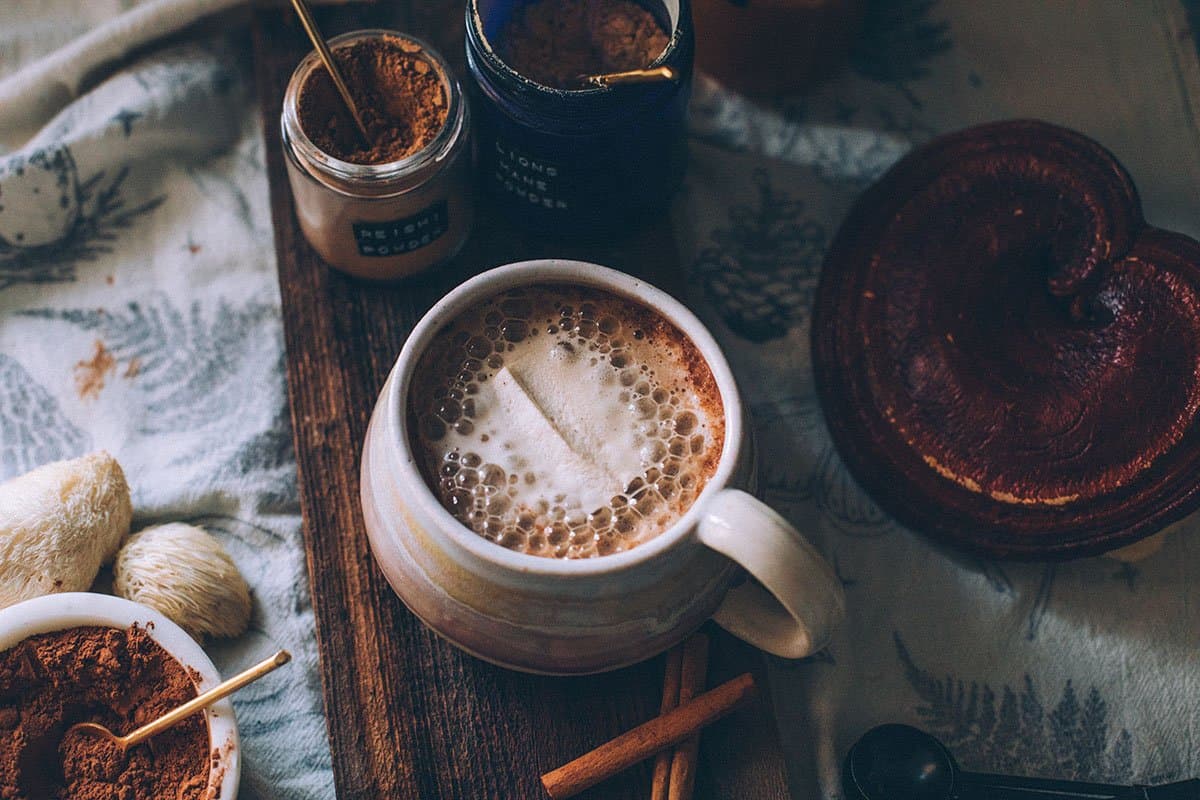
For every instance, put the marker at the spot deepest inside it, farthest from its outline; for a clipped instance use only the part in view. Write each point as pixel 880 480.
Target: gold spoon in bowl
pixel 184 711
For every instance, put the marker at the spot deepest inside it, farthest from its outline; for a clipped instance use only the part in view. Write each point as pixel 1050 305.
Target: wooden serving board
pixel 409 716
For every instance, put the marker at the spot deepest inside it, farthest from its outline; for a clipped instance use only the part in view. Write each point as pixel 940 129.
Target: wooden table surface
pixel 408 715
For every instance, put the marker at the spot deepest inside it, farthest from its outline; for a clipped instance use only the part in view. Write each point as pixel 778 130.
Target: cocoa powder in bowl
pixel 399 94
pixel 120 678
pixel 553 42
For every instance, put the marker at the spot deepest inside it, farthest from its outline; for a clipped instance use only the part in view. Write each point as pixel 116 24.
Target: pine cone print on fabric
pixel 51 221
pixel 39 198
pixel 762 270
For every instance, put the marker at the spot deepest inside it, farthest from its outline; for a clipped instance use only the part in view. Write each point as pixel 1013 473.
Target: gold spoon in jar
pixel 310 27
pixel 651 75
pixel 187 709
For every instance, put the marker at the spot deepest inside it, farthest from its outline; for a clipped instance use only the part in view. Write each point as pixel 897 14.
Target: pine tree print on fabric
pixel 1013 732
pixel 51 221
pixel 762 271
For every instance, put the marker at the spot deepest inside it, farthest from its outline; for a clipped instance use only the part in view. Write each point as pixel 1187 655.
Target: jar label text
pixel 402 235
pixel 537 181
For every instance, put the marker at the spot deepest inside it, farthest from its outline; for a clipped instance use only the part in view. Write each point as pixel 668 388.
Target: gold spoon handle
pixel 663 73
pixel 208 698
pixel 310 27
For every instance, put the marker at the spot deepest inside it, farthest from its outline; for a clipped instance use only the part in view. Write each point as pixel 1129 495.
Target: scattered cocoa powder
pixel 119 678
pixel 399 94
pixel 553 42
pixel 90 373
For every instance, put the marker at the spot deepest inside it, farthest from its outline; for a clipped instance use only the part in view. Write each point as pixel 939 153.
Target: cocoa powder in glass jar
pixel 399 202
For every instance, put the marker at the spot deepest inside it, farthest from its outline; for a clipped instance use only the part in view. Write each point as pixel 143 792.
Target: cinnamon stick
pixel 648 738
pixel 693 675
pixel 670 698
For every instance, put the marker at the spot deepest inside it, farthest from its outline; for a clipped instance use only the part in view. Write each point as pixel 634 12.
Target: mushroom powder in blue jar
pixel 561 157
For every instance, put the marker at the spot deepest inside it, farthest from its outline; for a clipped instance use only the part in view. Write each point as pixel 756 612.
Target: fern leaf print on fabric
pixel 270 456
pixel 33 430
pixel 761 271
pixel 51 221
pixel 186 359
pixel 1012 731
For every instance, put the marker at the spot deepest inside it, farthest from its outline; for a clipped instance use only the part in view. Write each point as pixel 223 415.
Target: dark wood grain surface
pixel 408 715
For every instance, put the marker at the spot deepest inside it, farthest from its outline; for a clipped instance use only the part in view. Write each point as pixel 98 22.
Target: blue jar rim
pixel 583 107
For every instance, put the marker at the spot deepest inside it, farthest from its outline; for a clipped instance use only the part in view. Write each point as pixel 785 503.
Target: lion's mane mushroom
pixel 185 573
pixel 59 524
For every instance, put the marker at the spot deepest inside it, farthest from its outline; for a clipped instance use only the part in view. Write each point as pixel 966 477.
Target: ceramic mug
pixel 576 616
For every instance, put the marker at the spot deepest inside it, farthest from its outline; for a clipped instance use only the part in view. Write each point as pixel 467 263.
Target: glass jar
pixel 579 161
pixel 382 221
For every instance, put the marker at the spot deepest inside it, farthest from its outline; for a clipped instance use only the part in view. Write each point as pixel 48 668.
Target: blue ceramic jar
pixel 579 161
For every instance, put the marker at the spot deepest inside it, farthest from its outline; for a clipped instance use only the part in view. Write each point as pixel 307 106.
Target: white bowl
pixel 56 612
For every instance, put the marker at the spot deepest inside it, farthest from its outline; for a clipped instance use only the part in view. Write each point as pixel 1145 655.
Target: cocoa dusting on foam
pixel 565 422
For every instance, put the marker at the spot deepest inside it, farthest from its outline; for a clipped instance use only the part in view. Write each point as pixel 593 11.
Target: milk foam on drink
pixel 564 421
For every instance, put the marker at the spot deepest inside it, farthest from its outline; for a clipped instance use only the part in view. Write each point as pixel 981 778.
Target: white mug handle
pixel 797 601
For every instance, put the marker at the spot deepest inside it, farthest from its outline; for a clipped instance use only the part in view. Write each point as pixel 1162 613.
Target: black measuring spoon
pixel 899 762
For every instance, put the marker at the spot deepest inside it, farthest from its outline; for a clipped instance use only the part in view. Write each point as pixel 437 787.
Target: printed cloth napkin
pixel 139 312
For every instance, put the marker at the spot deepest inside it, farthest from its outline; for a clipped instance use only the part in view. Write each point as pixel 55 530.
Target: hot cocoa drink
pixel 564 421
